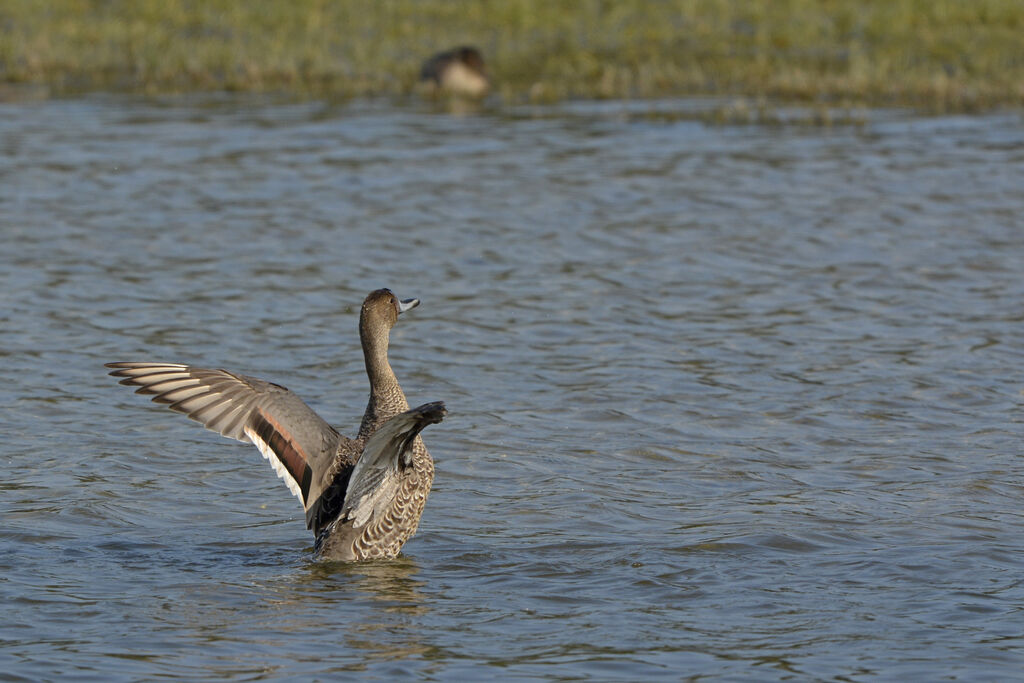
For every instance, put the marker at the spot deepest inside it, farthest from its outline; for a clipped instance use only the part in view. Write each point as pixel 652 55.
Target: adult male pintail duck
pixel 459 71
pixel 363 497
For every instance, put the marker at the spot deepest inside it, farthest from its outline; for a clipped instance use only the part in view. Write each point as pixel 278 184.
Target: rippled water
pixel 738 401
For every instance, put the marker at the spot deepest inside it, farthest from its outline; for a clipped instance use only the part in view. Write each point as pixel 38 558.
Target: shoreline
pixel 938 57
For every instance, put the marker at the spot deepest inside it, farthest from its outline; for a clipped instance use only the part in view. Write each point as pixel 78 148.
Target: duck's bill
pixel 407 304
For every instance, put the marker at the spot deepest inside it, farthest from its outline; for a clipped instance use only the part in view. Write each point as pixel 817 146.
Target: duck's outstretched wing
pixel 296 441
pixel 374 480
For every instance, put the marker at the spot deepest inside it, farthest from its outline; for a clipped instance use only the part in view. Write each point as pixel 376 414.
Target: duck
pixel 363 497
pixel 459 71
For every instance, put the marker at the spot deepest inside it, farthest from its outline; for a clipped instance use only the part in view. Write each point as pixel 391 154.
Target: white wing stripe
pixel 275 462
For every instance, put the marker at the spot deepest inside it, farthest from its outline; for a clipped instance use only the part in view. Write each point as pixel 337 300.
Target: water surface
pixel 724 401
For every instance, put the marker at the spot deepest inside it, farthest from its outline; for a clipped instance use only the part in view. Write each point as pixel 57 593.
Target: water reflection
pixel 390 582
pixel 393 628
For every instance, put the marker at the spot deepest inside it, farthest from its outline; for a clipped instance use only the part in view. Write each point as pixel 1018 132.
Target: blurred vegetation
pixel 936 54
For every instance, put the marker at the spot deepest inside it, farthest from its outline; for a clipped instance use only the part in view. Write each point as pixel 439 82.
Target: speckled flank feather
pixel 388 490
pixel 385 536
pixel 363 497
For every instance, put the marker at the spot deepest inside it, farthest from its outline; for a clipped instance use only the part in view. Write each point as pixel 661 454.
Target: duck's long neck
pixel 386 396
pixel 378 369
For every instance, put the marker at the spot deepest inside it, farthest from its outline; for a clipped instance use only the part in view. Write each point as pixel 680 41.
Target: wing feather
pixel 374 480
pixel 297 442
pixel 180 393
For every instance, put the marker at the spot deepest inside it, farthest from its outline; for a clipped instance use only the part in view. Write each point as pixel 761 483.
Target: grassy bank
pixel 936 54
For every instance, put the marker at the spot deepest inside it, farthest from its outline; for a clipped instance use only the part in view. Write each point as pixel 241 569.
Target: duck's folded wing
pixel 296 441
pixel 374 480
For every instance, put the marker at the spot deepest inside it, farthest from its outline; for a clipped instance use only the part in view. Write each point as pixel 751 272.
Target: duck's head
pixel 471 57
pixel 380 312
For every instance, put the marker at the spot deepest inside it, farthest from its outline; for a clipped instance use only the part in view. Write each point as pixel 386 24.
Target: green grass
pixel 957 55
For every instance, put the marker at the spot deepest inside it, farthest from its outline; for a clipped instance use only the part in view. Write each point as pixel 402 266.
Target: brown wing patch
pixel 287 449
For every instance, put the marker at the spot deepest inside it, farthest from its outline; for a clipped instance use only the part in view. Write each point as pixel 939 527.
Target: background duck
pixel 459 71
